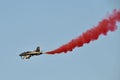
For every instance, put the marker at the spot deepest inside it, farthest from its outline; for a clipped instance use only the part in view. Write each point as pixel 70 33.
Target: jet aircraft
pixel 28 54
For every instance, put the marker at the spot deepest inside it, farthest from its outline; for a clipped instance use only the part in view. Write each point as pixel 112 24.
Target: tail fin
pixel 37 49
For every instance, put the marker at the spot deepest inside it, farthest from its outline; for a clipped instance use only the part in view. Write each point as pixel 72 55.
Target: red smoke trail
pixel 108 24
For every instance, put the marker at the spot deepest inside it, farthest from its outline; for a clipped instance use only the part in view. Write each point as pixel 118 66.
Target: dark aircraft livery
pixel 28 54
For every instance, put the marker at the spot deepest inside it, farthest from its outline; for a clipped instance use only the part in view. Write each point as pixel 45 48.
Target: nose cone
pixel 20 54
pixel 23 54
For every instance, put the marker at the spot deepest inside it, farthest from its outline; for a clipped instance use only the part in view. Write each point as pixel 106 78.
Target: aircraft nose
pixel 20 54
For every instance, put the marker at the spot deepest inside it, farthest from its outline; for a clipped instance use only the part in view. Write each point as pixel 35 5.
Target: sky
pixel 26 24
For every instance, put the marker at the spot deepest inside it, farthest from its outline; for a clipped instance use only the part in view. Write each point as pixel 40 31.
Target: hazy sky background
pixel 26 24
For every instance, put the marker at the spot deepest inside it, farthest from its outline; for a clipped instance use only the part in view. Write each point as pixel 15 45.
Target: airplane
pixel 28 54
